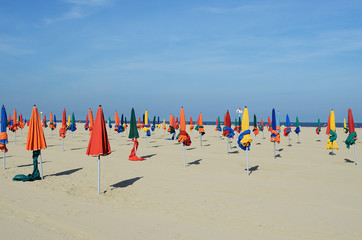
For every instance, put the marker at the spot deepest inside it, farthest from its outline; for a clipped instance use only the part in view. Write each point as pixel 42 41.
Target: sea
pixel 301 124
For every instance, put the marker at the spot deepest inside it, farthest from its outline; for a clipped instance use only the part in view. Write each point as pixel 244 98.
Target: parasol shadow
pixel 126 183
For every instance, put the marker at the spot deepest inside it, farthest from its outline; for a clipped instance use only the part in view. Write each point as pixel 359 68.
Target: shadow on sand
pixel 126 183
pixel 196 162
pixel 253 169
pixel 68 172
pixel 348 161
pixel 149 156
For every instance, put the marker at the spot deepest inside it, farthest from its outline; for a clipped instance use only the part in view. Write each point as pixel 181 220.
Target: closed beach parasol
pixel 63 129
pixel 319 128
pixel 72 125
pixel 86 125
pixel 345 128
pixel 331 131
pixel 91 122
pixel 171 128
pixel 228 132
pixel 118 127
pixel 287 129
pixel 133 134
pixel 352 137
pixel 255 127
pixel 244 140
pixel 275 136
pixel 21 124
pixel 297 128
pixel 200 128
pixel 146 127
pixel 191 125
pixel 98 143
pixel 109 122
pixel 14 125
pixel 183 136
pixel 45 125
pixel 261 127
pixel 35 142
pixel 3 134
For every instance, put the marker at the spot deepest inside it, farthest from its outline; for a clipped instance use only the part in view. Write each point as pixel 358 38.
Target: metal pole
pixel 118 138
pixel 63 144
pixel 41 166
pixel 332 147
pixel 183 149
pixel 247 161
pixel 200 139
pixel 355 151
pixel 15 136
pixel 4 159
pixel 99 172
pixel 275 156
pixel 227 144
pixel 288 140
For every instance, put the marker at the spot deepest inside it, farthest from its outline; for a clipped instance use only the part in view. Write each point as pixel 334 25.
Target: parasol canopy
pixel 35 139
pixel 3 134
pixel 244 139
pixel 98 143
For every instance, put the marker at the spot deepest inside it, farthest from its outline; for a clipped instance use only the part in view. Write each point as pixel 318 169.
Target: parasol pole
pixel 247 161
pixel 63 144
pixel 288 140
pixel 200 139
pixel 41 166
pixel 355 151
pixel 263 135
pixel 183 149
pixel 298 138
pixel 332 148
pixel 118 138
pixel 227 145
pixel 275 156
pixel 15 136
pixel 5 162
pixel 99 172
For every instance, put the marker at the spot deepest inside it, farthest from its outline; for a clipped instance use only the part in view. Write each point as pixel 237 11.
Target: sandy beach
pixel 305 193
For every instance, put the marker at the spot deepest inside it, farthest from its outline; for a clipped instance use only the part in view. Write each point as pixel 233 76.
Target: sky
pixel 302 58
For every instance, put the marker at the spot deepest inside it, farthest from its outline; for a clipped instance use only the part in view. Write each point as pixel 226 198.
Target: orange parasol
pixel 200 127
pixel 91 122
pixel 35 142
pixel 183 136
pixel 36 139
pixel 191 125
pixel 98 143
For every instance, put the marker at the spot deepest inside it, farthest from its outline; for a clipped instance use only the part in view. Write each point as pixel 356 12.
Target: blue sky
pixel 301 57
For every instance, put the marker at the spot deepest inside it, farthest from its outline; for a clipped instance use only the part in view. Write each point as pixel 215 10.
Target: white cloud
pixel 13 51
pixel 79 9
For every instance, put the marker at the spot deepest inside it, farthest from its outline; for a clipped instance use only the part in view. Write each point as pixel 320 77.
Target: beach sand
pixel 303 194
